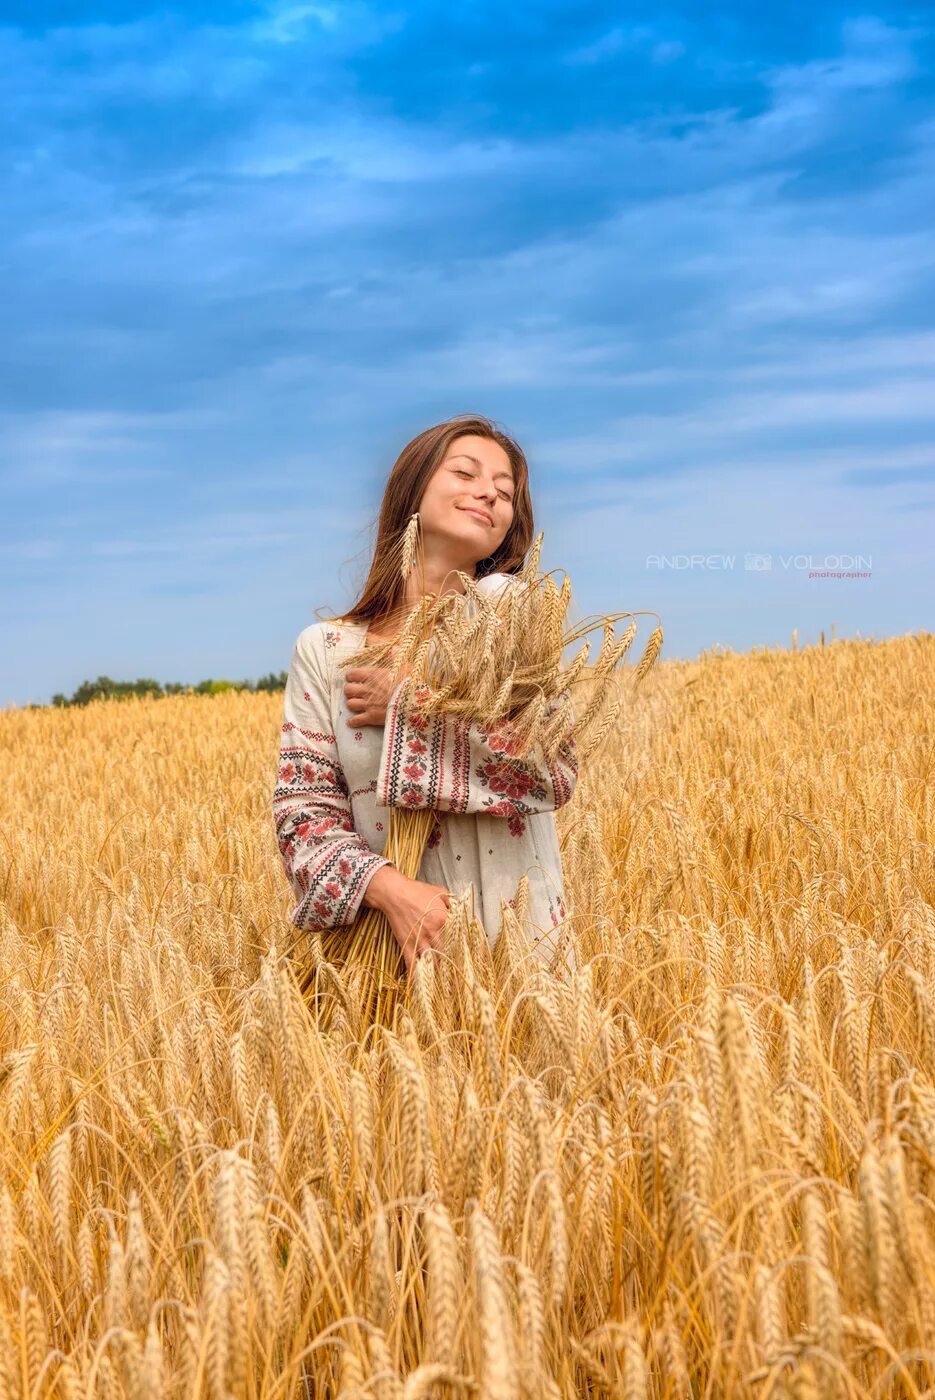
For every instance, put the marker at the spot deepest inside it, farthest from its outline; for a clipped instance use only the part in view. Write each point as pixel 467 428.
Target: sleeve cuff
pixel 365 869
pixel 369 868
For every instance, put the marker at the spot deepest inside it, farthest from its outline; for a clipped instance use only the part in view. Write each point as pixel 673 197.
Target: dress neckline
pixel 359 629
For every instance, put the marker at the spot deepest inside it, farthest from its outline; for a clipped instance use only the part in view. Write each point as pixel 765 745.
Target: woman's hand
pixel 367 691
pixel 415 909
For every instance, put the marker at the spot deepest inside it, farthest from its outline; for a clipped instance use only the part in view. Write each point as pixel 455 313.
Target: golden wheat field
pixel 703 1167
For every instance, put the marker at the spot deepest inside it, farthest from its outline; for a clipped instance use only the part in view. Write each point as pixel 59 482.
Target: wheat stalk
pixel 445 1282
pixel 498 1362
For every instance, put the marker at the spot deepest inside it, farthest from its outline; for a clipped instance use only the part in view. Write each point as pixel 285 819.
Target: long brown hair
pixel 385 589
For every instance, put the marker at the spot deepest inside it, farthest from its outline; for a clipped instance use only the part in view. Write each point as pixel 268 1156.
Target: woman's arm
pixel 454 765
pixel 328 864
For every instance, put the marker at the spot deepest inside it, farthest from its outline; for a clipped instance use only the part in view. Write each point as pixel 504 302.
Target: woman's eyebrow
pixel 478 463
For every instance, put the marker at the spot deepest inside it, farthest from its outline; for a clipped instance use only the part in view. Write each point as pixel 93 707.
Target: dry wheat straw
pixel 498 1362
pixel 445 1282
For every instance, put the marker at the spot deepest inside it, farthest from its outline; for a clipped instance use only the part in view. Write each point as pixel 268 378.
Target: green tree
pixel 105 688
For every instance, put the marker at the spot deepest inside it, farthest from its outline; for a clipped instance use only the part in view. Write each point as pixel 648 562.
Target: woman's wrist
pixel 382 886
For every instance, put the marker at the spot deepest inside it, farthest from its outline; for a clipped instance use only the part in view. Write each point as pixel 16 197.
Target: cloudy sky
pixel 683 253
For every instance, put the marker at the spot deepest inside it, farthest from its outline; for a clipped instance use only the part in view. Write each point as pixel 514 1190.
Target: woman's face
pixel 468 503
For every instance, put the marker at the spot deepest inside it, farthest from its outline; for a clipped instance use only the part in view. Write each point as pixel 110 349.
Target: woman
pixel 347 755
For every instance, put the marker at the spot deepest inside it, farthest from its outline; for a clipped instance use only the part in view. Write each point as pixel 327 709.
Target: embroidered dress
pixel 336 783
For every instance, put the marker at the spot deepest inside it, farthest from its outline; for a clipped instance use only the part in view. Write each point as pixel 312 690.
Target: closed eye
pixel 504 495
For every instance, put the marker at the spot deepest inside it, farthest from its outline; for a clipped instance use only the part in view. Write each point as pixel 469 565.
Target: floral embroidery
pixel 511 781
pixel 515 823
pixel 412 792
pixel 309 733
pixel 358 735
pixel 379 826
pixel 287 850
pixel 327 861
pixel 503 741
pixel 310 770
pixel 450 764
pixel 323 856
pixel 435 835
pixel 305 830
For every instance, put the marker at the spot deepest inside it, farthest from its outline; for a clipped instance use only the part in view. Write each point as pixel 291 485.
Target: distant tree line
pixel 106 689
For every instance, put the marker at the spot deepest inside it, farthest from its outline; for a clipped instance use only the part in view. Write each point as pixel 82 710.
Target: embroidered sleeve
pixel 327 862
pixel 455 766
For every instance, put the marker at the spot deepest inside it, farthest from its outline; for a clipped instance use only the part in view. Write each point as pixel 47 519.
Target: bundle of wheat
pixel 494 660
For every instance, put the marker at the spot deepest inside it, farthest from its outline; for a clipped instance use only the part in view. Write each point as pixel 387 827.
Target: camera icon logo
pixel 759 563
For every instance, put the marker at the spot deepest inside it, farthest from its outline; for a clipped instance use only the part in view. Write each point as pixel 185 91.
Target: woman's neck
pixel 436 577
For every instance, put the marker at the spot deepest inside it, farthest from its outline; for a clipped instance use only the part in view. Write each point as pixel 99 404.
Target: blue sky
pixel 683 253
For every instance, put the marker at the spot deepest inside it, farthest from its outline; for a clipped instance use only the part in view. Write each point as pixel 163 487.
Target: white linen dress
pixel 336 783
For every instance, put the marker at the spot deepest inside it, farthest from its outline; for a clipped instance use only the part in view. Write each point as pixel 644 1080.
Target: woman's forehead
pixel 473 450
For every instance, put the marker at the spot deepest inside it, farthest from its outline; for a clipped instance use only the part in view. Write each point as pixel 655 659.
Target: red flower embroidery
pixel 507 779
pixel 379 826
pixel 308 828
pixel 287 773
pixel 506 809
pixel 418 746
pixel 503 741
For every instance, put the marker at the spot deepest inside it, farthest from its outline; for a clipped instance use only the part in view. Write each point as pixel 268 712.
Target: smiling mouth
pixel 477 513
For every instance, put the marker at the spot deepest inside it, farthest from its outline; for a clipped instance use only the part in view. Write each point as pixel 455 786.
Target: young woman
pixel 347 755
